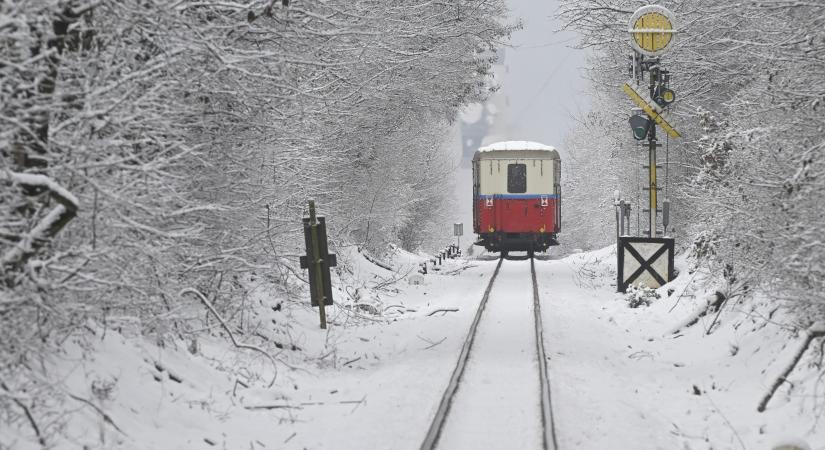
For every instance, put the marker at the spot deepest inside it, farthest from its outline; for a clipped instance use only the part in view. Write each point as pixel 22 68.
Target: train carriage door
pixel 516 207
pixel 557 192
pixel 516 178
pixel 476 206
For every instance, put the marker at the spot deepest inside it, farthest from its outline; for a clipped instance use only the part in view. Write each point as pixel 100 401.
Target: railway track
pixel 503 391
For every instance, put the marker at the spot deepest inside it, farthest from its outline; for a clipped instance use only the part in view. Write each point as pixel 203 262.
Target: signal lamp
pixel 640 126
pixel 665 96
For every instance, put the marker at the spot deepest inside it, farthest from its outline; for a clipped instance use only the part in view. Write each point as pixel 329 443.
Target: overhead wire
pixel 543 87
pixel 546 44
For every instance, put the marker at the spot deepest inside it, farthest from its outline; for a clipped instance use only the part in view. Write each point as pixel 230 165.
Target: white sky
pixel 543 83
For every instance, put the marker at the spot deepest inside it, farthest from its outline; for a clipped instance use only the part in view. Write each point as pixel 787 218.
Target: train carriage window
pixel 517 178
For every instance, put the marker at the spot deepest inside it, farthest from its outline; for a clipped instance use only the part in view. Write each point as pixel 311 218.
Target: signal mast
pixel 653 31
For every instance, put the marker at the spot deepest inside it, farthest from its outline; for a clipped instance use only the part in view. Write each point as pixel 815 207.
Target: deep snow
pixel 621 378
pixel 497 403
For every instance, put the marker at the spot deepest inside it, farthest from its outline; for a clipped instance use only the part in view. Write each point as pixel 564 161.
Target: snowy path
pixel 597 373
pixel 402 371
pixel 593 389
pixel 498 402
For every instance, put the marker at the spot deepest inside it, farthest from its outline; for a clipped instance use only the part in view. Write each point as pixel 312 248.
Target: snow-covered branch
pixel 49 225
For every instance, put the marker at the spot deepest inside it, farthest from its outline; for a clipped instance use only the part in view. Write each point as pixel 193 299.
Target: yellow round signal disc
pixel 652 29
pixel 652 41
pixel 668 96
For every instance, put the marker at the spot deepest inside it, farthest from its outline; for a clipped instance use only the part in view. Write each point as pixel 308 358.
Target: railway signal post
pixel 653 31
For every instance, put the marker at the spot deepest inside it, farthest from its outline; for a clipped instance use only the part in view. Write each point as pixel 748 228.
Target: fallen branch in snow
pixel 28 414
pixel 106 418
pixel 357 403
pixel 459 270
pixel 641 354
pixel 727 422
pixel 352 312
pixel 719 310
pixel 351 361
pixel 302 404
pixel 397 277
pixel 816 330
pixel 676 431
pixel 229 331
pixel 375 261
pixel 404 308
pixel 714 306
pixel 256 407
pixel 235 387
pixel 444 310
pixel 687 285
pixel 433 344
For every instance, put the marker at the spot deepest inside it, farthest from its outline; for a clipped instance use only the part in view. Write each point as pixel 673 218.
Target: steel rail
pixel 440 417
pixel 548 426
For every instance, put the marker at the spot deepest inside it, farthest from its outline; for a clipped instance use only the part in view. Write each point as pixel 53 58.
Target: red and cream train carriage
pixel 517 196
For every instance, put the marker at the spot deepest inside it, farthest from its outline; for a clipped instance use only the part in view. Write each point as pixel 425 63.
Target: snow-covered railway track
pixel 494 398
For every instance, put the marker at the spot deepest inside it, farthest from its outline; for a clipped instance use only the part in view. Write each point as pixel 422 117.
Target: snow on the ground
pixel 637 378
pixel 389 377
pixel 496 405
pixel 371 380
pixel 621 378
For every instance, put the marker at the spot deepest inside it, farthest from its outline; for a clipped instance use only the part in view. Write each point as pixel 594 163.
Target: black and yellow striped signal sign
pixel 652 110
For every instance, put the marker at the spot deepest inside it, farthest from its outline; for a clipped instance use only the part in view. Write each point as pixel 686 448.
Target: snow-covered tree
pixel 749 78
pixel 149 147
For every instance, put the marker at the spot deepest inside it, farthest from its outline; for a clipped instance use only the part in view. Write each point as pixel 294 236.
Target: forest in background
pixel 151 146
pixel 746 179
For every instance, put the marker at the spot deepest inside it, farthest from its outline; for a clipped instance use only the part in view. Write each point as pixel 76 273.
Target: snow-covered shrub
pixel 640 296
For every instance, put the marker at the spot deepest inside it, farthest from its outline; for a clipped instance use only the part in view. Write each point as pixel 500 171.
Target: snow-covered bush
pixel 642 295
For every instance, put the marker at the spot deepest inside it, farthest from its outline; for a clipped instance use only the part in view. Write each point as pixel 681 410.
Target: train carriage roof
pixel 516 149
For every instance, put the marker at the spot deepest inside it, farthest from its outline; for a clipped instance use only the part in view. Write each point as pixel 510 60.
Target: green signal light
pixel 640 126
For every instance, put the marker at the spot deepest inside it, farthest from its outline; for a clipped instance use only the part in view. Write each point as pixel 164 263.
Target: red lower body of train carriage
pixel 517 222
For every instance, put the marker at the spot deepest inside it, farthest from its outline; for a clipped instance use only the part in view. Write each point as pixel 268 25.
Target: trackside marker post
pixel 318 261
pixel 316 257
